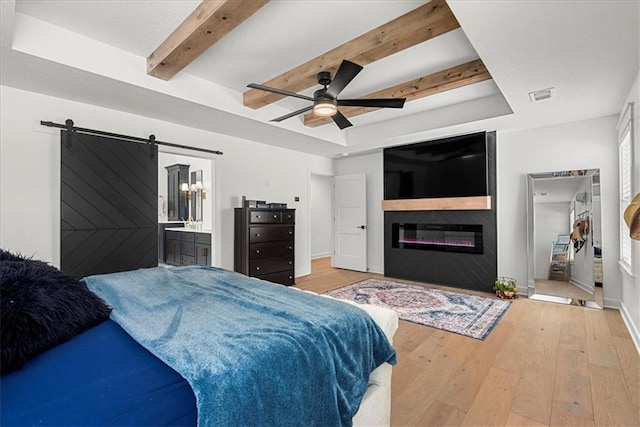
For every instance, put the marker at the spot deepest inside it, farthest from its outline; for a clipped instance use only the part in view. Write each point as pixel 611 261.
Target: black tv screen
pixel 450 167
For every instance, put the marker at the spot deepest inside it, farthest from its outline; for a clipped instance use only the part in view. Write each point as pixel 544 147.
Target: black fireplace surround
pixel 465 238
pixel 428 257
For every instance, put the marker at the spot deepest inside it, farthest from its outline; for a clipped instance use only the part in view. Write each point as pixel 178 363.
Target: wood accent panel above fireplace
pixel 438 204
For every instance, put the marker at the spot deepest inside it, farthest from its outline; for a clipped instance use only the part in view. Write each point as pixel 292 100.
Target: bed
pixel 276 356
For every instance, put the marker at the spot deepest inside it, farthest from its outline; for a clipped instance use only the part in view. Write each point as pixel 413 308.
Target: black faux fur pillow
pixel 41 308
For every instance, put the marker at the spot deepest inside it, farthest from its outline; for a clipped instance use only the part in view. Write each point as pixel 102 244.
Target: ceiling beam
pixel 441 81
pixel 206 25
pixel 424 23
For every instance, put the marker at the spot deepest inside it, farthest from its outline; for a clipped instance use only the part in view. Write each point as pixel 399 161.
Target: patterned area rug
pixel 469 315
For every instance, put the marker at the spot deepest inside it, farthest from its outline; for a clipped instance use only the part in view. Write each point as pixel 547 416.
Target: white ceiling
pixel 94 51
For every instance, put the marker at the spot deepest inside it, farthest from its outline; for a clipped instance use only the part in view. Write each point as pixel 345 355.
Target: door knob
pixel 362 227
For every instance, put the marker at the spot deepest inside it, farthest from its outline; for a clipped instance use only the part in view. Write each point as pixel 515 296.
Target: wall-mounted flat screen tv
pixel 450 167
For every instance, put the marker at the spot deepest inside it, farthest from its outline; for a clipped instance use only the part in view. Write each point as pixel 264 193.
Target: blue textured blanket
pixel 254 353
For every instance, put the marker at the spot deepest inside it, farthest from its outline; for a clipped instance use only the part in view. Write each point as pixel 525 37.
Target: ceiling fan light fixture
pixel 325 108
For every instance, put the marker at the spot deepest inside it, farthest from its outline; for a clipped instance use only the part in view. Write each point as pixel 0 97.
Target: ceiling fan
pixel 325 100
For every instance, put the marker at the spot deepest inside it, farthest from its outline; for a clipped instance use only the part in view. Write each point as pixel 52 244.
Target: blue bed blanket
pixel 254 353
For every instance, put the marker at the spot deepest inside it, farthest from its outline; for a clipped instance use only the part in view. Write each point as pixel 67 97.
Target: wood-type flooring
pixel 544 364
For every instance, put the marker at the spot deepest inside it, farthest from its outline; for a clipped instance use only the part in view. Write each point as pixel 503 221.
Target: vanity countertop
pixel 188 230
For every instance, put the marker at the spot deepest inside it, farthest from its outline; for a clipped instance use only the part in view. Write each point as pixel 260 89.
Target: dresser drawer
pixel 187 260
pixel 289 217
pixel 204 238
pixel 283 277
pixel 270 234
pixel 187 248
pixel 187 236
pixel 173 235
pixel 270 249
pixel 270 265
pixel 265 217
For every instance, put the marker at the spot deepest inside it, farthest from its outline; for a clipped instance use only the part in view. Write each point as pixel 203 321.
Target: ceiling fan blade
pixel 278 91
pixel 295 113
pixel 373 102
pixel 341 120
pixel 347 71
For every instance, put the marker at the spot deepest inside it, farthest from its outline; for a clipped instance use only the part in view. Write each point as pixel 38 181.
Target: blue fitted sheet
pixel 101 377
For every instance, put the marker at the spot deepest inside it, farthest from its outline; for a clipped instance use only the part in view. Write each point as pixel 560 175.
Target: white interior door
pixel 350 222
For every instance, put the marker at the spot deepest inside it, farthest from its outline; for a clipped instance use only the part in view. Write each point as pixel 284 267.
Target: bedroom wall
pixel 30 176
pixel 581 145
pixel 631 285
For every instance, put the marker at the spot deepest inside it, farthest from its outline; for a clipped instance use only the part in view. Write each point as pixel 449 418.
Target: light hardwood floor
pixel 543 364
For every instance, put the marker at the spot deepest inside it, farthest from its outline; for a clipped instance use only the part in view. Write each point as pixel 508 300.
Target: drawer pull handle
pixel 275 216
pixel 257 268
pixel 290 248
pixel 291 232
pixel 257 251
pixel 290 262
pixel 257 234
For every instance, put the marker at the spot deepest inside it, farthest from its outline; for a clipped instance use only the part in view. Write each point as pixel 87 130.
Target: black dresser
pixel 264 244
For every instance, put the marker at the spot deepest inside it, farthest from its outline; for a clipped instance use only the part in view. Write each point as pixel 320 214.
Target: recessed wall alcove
pixel 466 269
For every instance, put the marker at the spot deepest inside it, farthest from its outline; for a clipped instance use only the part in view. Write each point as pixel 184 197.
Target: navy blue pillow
pixel 41 308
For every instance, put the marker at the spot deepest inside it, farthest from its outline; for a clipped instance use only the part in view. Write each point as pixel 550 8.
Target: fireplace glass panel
pixel 466 238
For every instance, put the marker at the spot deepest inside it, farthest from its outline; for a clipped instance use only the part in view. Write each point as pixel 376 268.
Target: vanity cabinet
pixel 177 207
pixel 162 226
pixel 264 244
pixel 188 248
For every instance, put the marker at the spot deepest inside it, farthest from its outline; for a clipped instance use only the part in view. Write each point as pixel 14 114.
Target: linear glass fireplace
pixel 438 237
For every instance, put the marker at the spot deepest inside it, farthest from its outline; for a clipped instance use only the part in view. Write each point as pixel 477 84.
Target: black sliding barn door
pixel 109 192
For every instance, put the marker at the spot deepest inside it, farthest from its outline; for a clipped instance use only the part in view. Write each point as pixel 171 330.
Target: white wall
pixel 551 219
pixel 30 173
pixel 630 298
pixel 589 144
pixel 371 166
pixel 321 216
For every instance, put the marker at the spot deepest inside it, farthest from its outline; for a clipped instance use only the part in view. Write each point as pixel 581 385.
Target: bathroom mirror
pixel 196 188
pixel 564 237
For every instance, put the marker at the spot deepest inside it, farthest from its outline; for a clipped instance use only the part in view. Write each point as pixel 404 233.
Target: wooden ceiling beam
pixel 424 23
pixel 441 81
pixel 206 25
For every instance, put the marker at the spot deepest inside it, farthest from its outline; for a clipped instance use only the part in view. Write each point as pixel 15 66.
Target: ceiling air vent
pixel 542 94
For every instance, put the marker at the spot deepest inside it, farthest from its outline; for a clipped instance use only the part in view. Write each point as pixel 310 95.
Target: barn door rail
pixel 69 126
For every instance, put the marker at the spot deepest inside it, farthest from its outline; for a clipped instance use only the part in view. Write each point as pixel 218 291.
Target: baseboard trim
pixel 321 255
pixel 633 331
